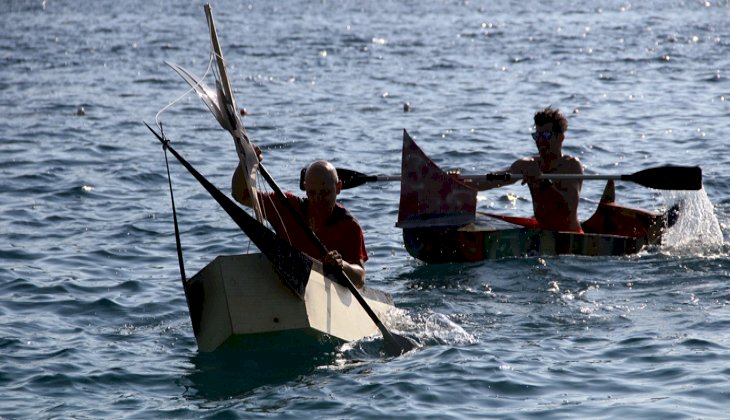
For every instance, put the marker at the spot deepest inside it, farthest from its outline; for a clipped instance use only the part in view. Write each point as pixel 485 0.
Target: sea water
pixel 93 319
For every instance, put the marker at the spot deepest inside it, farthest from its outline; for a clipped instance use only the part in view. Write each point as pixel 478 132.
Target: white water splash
pixel 697 230
pixel 431 328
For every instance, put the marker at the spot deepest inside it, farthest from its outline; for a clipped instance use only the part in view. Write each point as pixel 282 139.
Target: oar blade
pixel 398 345
pixel 668 178
pixel 352 179
pixel 349 178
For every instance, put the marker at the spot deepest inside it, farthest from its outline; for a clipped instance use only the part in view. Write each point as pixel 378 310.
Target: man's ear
pixel 339 185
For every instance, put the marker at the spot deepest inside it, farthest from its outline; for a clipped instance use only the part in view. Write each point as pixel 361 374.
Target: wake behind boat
pixel 437 213
pixel 279 298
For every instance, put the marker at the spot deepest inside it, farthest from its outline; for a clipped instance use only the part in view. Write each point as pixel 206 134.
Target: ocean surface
pixel 93 319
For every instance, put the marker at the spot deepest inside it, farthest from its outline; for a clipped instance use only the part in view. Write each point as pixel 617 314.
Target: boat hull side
pixel 240 298
pixel 439 245
pixel 333 310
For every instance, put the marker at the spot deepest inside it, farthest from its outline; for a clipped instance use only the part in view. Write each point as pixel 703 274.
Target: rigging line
pixel 186 93
pixel 272 196
pixel 178 243
pixel 263 188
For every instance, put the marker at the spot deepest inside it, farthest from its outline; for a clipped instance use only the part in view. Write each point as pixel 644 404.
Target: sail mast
pixel 230 120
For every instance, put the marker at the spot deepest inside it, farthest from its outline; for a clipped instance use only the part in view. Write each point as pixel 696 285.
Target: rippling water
pixel 93 320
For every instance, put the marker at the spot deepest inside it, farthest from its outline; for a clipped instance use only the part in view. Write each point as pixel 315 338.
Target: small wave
pixel 430 329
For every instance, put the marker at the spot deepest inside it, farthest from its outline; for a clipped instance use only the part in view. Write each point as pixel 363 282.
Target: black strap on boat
pixel 165 143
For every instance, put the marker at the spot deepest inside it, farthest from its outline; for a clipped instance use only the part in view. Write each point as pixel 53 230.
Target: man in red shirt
pixel 338 230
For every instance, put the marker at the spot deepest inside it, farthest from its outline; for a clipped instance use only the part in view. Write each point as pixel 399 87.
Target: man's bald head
pixel 321 170
pixel 322 186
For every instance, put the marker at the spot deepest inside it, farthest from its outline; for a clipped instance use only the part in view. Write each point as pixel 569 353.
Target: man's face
pixel 547 142
pixel 321 188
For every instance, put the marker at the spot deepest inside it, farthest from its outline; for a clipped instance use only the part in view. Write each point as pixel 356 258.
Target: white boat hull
pixel 240 299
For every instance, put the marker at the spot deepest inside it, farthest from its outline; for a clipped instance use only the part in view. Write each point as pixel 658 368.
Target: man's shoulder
pixel 570 164
pixel 521 162
pixel 340 215
pixel 270 198
pixel 293 197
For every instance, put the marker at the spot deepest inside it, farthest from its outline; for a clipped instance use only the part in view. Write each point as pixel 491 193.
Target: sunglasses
pixel 542 135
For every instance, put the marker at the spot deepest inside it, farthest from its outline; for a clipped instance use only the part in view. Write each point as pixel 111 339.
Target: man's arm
pixel 355 271
pixel 482 184
pixel 348 251
pixel 486 184
pixel 529 167
pixel 238 185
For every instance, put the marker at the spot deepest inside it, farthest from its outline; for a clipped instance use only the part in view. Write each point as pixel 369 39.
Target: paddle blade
pixel 398 344
pixel 352 179
pixel 349 178
pixel 668 178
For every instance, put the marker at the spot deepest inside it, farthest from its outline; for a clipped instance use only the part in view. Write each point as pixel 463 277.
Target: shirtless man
pixel 555 202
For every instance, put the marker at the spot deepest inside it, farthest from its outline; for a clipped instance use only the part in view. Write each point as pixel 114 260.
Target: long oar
pixel 660 178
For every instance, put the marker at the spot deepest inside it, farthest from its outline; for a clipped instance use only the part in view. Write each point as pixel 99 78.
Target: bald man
pixel 338 230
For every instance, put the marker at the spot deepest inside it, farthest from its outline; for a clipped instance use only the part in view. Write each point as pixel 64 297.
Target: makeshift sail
pixel 428 195
pixel 222 105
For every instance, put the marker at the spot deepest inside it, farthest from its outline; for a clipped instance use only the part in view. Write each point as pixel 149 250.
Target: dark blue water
pixel 93 320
